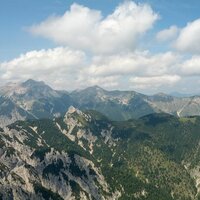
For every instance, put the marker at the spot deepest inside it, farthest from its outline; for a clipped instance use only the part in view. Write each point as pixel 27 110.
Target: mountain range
pixel 86 156
pixel 36 100
pixel 94 144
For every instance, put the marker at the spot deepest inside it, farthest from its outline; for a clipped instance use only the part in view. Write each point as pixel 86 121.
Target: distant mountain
pixel 185 106
pixel 35 99
pixel 84 155
pixel 117 105
pixel 124 105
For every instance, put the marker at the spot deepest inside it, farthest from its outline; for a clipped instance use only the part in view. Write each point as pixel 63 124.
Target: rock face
pixel 32 99
pixel 34 166
pixel 83 155
pixel 10 112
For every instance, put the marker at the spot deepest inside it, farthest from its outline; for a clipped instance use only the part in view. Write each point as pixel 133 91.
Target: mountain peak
pixel 75 116
pixel 96 87
pixel 90 92
pixel 31 82
pixel 71 109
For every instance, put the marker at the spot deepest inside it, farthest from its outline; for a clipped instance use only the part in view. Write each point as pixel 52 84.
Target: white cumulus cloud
pixel 137 63
pixel 64 68
pixel 86 29
pixel 167 34
pixel 49 65
pixel 189 38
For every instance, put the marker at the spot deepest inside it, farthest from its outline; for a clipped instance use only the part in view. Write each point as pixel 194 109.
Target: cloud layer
pixel 155 81
pixel 69 69
pixel 52 65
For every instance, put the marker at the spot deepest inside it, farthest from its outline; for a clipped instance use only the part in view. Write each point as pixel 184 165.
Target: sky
pixel 149 46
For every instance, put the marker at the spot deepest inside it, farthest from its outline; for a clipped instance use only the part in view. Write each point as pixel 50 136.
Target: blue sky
pixel 18 14
pixel 21 33
pixel 15 15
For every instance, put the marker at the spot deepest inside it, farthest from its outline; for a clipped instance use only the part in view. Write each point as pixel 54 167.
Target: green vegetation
pixel 145 159
pixel 46 194
pixel 53 168
pixel 188 119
